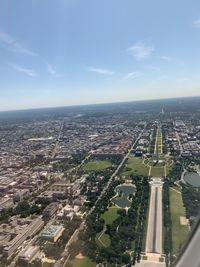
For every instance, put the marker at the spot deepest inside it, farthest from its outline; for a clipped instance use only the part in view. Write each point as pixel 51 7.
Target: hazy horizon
pixel 102 103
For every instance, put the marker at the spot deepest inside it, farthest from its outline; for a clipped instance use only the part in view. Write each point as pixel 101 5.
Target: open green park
pixel 85 262
pixel 179 231
pixel 121 200
pixel 135 166
pixel 97 165
pixel 102 239
pixel 147 167
pixel 109 216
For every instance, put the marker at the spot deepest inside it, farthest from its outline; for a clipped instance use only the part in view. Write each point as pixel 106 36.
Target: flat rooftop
pixel 51 230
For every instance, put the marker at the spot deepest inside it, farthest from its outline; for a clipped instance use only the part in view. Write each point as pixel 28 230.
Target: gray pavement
pixel 154 230
pixel 149 264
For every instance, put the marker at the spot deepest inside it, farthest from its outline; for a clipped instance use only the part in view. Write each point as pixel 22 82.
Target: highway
pixel 154 230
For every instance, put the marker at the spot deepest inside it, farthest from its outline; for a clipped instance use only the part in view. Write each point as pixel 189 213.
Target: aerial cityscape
pixel 99 133
pixel 100 185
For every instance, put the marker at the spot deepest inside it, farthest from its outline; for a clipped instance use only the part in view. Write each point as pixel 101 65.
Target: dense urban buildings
pixel 114 184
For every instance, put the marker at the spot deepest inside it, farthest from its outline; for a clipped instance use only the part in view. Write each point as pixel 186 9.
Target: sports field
pixel 179 232
pixel 97 165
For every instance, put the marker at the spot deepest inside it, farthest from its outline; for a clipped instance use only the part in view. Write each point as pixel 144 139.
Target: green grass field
pixel 110 215
pixel 157 171
pixel 97 165
pixel 86 262
pixel 179 232
pixel 135 166
pixel 103 240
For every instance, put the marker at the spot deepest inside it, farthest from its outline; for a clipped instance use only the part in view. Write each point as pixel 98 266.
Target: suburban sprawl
pixel 101 185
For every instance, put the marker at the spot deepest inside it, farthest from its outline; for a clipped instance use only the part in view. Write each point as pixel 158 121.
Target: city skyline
pixel 67 53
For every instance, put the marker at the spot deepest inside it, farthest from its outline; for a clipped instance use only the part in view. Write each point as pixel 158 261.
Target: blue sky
pixel 66 52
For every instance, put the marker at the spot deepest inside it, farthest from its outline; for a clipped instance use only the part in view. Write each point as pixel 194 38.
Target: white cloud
pixel 196 23
pixel 28 72
pixel 101 71
pixel 166 58
pixel 52 71
pixel 131 75
pixel 141 51
pixel 14 45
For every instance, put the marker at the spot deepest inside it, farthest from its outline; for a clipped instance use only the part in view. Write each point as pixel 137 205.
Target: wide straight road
pixel 154 230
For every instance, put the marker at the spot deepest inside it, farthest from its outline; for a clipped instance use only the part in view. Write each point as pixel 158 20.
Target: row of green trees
pixel 86 243
pixel 142 194
pixel 191 200
pixel 167 224
pixel 128 227
pixel 24 209
pixel 91 182
pixel 175 171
